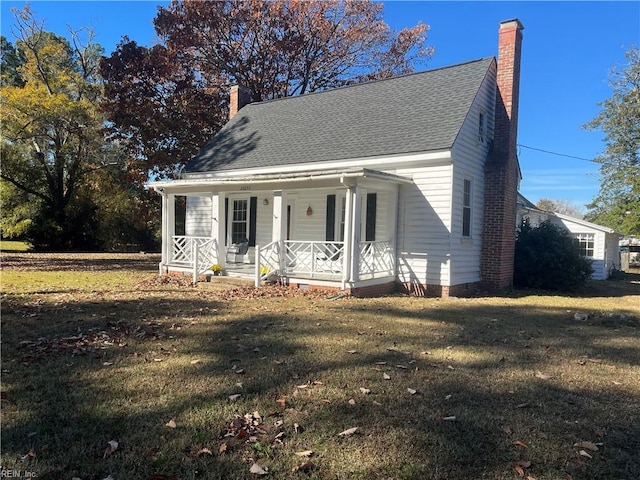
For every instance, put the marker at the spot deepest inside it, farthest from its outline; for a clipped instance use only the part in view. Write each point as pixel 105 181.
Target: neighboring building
pixel 407 182
pixel 630 252
pixel 598 243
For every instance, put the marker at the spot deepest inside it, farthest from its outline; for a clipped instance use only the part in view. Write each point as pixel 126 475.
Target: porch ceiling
pixel 281 181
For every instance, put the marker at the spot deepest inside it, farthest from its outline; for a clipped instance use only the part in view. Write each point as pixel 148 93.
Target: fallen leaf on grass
pixel 386 376
pixel 352 401
pixel 28 455
pixel 281 402
pixel 107 364
pixel 305 453
pixel 234 397
pixel 352 351
pixel 519 470
pixel 412 391
pixel 586 445
pixel 365 391
pixel 222 448
pixel 523 405
pixel 377 403
pixel 204 451
pixel 326 400
pixel 193 362
pixel 452 418
pixel 257 470
pixel 381 363
pixel 584 454
pixel 403 367
pixel 520 443
pixel 543 376
pixel 347 432
pixel 507 430
pixel 112 446
pixel 171 424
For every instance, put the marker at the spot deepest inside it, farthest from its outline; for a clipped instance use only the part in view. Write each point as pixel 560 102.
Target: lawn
pixel 109 371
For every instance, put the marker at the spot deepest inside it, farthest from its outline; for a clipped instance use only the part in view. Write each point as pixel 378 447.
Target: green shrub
pixel 547 257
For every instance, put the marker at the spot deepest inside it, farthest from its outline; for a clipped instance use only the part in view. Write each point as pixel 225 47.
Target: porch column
pixel 218 226
pixel 357 233
pixel 278 231
pixel 392 224
pixel 348 234
pixel 168 226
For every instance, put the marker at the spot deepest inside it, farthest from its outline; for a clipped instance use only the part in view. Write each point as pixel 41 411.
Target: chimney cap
pixel 514 22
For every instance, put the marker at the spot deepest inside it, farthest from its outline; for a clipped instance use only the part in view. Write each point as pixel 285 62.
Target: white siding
pixel 431 247
pixel 424 222
pixel 600 271
pixel 198 216
pixel 469 153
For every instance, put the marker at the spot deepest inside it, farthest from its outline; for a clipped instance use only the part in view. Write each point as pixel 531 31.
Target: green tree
pixel 52 127
pixel 10 62
pixel 617 204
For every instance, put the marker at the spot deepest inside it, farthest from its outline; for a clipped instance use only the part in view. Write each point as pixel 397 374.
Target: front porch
pixel 289 261
pixel 332 229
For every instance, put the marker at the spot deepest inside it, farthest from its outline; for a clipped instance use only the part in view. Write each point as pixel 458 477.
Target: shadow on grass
pixel 80 261
pixel 181 358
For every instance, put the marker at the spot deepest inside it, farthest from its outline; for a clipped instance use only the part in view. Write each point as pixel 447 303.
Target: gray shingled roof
pixel 420 112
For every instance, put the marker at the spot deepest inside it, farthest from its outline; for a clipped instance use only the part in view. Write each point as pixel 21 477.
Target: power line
pixel 558 154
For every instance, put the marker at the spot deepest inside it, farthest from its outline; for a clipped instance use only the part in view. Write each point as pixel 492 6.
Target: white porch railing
pixel 376 259
pixel 199 253
pixel 313 259
pixel 267 261
pixel 319 260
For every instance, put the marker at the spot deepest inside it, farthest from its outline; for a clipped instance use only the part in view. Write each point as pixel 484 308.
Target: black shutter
pixel 370 229
pixel 331 219
pixel 253 217
pixel 226 220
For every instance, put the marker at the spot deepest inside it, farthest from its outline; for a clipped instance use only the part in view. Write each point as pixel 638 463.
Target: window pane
pixel 239 222
pixel 466 222
pixel 466 209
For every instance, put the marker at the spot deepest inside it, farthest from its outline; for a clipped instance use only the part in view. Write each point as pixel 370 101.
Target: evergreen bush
pixel 548 258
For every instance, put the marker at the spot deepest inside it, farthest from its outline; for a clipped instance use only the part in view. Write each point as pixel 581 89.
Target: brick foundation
pixel 442 291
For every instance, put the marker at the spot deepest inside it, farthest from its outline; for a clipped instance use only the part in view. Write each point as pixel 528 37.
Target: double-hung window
pixel 239 220
pixel 466 208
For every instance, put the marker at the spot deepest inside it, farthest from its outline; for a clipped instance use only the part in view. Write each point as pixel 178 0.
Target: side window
pixel 466 208
pixel 586 242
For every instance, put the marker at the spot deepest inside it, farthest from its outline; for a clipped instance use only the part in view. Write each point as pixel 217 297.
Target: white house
pixel 406 182
pixel 598 243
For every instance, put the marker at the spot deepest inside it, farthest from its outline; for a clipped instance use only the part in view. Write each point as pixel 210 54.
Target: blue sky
pixel 569 49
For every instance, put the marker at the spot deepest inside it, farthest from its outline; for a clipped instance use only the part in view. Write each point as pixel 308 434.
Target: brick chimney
pixel 239 96
pixel 502 172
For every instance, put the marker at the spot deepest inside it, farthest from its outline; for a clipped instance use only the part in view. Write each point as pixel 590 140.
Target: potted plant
pixel 216 268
